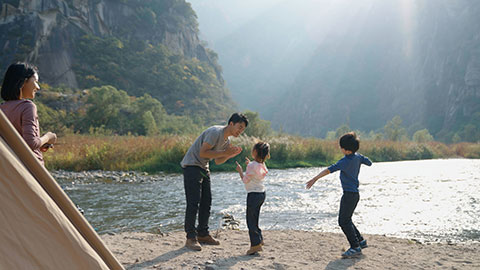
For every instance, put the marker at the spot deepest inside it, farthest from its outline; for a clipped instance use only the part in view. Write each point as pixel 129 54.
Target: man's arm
pixel 220 156
pixel 237 150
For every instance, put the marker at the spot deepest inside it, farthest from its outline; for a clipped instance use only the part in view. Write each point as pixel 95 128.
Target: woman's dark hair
pixel 349 141
pixel 237 118
pixel 15 78
pixel 262 149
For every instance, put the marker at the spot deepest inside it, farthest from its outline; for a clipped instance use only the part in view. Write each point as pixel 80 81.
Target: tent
pixel 40 227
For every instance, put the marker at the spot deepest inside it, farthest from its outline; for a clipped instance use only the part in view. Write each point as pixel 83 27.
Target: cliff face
pixel 44 32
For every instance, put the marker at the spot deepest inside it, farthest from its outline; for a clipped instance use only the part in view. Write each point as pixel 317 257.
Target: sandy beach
pixel 287 249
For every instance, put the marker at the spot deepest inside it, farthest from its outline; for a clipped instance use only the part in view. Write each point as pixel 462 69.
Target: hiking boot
pixel 363 244
pixel 352 252
pixel 254 249
pixel 193 244
pixel 209 240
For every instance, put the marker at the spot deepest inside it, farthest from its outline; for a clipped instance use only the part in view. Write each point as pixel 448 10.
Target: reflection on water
pixel 432 200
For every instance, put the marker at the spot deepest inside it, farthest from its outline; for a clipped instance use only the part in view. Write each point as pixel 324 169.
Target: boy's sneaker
pixel 363 244
pixel 352 252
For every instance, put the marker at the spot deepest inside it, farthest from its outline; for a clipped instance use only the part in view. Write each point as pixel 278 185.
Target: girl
pixel 19 85
pixel 253 179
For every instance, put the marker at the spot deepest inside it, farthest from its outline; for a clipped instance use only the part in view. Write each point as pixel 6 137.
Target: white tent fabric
pixel 40 228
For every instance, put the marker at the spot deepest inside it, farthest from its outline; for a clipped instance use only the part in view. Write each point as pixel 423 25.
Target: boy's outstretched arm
pixel 314 179
pixel 366 161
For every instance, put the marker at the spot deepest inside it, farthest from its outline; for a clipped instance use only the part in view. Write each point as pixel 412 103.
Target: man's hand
pixel 232 151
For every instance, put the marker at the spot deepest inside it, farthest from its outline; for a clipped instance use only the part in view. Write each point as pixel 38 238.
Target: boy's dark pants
pixel 199 200
pixel 254 203
pixel 348 204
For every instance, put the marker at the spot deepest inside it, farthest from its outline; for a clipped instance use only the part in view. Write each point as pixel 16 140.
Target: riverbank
pixel 287 249
pixel 164 153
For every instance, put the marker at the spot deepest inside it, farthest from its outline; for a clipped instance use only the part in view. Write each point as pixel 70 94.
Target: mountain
pixel 261 45
pixel 310 66
pixel 138 46
pixel 421 63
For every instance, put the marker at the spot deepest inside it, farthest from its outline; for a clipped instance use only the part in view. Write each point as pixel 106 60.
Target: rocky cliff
pixel 140 46
pixel 45 31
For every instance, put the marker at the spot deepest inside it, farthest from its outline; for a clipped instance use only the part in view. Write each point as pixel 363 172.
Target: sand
pixel 287 249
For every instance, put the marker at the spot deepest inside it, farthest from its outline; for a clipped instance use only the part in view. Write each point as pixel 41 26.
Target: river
pixel 427 200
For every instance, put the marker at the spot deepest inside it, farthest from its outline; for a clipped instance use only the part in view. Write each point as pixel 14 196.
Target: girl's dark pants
pixel 254 203
pixel 348 204
pixel 199 200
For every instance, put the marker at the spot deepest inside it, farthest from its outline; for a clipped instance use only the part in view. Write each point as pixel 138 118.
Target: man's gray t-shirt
pixel 213 136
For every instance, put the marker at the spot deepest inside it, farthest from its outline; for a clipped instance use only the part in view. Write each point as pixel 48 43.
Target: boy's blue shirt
pixel 349 167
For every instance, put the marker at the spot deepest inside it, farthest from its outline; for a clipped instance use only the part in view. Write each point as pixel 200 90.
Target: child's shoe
pixel 352 252
pixel 363 244
pixel 254 249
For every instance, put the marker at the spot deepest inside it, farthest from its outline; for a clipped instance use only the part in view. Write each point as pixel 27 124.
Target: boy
pixel 349 166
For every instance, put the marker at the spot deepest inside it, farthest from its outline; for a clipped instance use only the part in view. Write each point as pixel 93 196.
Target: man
pixel 213 143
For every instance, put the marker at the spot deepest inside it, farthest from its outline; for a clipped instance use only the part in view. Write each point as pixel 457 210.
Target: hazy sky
pixel 218 18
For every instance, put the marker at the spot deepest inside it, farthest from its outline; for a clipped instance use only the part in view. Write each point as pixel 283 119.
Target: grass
pixel 164 153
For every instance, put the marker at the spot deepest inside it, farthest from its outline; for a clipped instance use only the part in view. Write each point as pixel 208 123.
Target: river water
pixel 427 200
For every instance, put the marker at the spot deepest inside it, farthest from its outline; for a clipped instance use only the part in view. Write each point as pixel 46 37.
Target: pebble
pixel 107 176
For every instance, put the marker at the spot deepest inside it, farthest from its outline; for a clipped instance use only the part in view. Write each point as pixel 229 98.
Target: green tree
pixel 257 127
pixel 108 107
pixel 422 136
pixel 148 115
pixel 342 130
pixel 372 135
pixel 149 123
pixel 394 130
pixel 50 119
pixel 456 138
pixel 331 135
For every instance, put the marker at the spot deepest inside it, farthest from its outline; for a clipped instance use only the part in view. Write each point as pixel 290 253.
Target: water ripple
pixel 431 200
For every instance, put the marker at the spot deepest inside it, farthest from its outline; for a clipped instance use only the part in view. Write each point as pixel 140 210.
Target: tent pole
pixel 53 189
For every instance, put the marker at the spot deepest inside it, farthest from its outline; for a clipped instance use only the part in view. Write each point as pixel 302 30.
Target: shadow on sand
pixel 343 263
pixel 226 263
pixel 162 258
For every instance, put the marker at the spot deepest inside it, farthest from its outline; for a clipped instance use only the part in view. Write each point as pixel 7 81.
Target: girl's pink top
pixel 22 114
pixel 254 175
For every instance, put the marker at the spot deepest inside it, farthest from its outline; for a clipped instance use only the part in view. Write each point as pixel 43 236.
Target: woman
pixel 19 85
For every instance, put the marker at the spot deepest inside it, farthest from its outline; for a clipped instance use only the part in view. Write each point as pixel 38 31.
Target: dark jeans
pixel 348 204
pixel 254 203
pixel 199 200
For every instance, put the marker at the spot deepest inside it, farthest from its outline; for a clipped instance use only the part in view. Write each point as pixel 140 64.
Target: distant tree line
pixel 395 131
pixel 106 110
